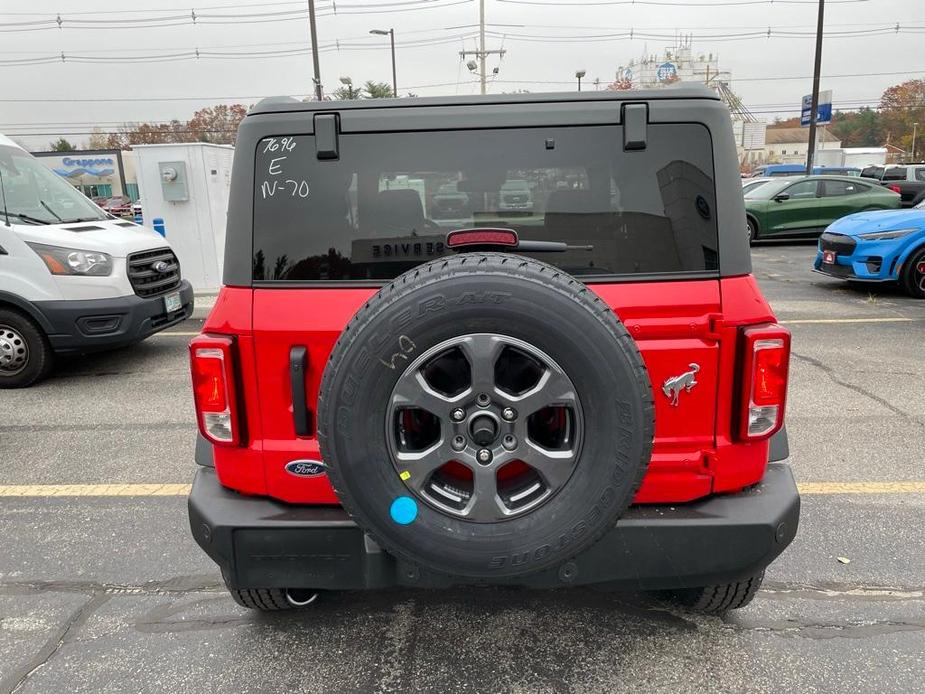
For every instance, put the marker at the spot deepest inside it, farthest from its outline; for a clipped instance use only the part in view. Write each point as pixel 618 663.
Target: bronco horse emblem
pixel 673 386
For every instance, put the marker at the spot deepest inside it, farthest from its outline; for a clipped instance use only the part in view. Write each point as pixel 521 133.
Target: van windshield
pixel 33 194
pixel 388 201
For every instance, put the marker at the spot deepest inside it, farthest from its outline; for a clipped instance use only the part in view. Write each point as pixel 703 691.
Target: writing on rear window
pixel 389 200
pixel 275 181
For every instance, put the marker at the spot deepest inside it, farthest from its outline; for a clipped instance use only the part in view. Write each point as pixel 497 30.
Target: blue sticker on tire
pixel 404 510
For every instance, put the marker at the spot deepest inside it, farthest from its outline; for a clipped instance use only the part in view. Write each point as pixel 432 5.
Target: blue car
pixel 877 246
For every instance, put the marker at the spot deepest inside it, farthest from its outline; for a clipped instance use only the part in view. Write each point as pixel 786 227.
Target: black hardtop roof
pixel 283 104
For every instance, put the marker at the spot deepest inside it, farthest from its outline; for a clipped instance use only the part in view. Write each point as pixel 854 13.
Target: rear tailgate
pixel 673 324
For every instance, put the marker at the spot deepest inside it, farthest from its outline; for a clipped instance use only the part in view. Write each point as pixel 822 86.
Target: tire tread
pixel 262 599
pixel 720 598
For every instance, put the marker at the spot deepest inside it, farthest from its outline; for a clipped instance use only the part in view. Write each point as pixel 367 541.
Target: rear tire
pixel 751 228
pixel 272 599
pixel 25 355
pixel 719 598
pixel 265 600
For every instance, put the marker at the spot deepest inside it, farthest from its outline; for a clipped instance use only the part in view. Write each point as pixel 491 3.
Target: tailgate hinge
pixel 715 326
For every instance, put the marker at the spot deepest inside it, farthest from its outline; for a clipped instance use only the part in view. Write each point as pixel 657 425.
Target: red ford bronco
pixel 408 380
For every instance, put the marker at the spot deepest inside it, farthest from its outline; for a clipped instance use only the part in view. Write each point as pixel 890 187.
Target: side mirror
pixel 780 197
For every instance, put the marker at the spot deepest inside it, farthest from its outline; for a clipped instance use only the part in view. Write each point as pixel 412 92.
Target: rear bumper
pixel 260 543
pixel 98 324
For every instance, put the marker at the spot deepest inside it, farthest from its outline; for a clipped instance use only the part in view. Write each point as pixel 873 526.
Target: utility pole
pixel 915 127
pixel 480 54
pixel 817 67
pixel 315 62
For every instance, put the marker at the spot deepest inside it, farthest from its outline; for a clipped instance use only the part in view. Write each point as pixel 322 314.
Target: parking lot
pixel 107 592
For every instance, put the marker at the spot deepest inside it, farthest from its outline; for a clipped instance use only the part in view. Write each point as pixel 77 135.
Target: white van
pixel 74 279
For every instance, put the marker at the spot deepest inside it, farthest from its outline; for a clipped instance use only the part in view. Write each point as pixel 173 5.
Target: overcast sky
pixel 62 97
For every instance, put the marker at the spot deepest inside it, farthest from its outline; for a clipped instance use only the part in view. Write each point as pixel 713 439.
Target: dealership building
pixel 95 172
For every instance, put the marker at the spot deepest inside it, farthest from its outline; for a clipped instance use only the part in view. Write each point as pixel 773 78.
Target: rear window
pixel 388 201
pixel 895 173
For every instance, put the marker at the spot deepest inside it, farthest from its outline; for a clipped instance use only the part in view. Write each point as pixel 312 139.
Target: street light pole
pixel 482 52
pixel 394 78
pixel 391 35
pixel 315 62
pixel 817 67
pixel 915 127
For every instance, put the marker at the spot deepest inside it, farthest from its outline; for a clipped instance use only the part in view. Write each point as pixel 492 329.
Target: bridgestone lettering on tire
pixel 522 379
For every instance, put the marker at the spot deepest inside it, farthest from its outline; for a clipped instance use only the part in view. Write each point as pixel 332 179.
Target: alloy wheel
pixel 484 427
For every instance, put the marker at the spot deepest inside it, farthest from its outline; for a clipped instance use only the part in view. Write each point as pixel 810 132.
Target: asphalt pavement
pixel 110 593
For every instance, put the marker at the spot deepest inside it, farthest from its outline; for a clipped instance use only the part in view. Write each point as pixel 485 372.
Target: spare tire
pixel 484 416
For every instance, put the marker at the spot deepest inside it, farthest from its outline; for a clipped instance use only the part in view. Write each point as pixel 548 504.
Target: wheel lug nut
pixel 484 456
pixel 483 400
pixel 508 413
pixel 509 442
pixel 458 414
pixel 458 443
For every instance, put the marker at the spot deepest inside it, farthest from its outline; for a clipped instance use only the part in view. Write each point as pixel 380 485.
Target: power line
pixel 361 44
pixel 64 21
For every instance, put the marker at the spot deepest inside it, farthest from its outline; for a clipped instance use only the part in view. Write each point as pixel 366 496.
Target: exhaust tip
pixel 301 597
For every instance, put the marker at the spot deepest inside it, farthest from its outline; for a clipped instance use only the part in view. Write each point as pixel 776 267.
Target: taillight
pixel 765 364
pixel 212 366
pixel 895 188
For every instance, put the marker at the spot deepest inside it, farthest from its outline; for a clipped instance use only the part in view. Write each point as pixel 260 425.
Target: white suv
pixel 72 277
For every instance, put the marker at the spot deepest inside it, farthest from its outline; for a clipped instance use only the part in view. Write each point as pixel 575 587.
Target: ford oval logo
pixel 305 468
pixel 160 266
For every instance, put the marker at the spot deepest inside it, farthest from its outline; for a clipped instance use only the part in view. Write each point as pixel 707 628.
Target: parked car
pixel 386 399
pixel 906 179
pixel 806 205
pixel 72 279
pixel 118 206
pixel 877 247
pixel 450 203
pixel 768 170
pixel 516 195
pixel 752 183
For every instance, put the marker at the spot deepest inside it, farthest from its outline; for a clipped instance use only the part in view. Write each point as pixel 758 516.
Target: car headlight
pixel 72 261
pixel 886 235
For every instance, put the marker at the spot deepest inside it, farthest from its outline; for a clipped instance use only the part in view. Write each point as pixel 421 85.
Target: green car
pixel 806 205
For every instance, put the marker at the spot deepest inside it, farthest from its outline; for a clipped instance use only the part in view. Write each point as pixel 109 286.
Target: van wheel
pixel 719 598
pixel 25 355
pixel 913 277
